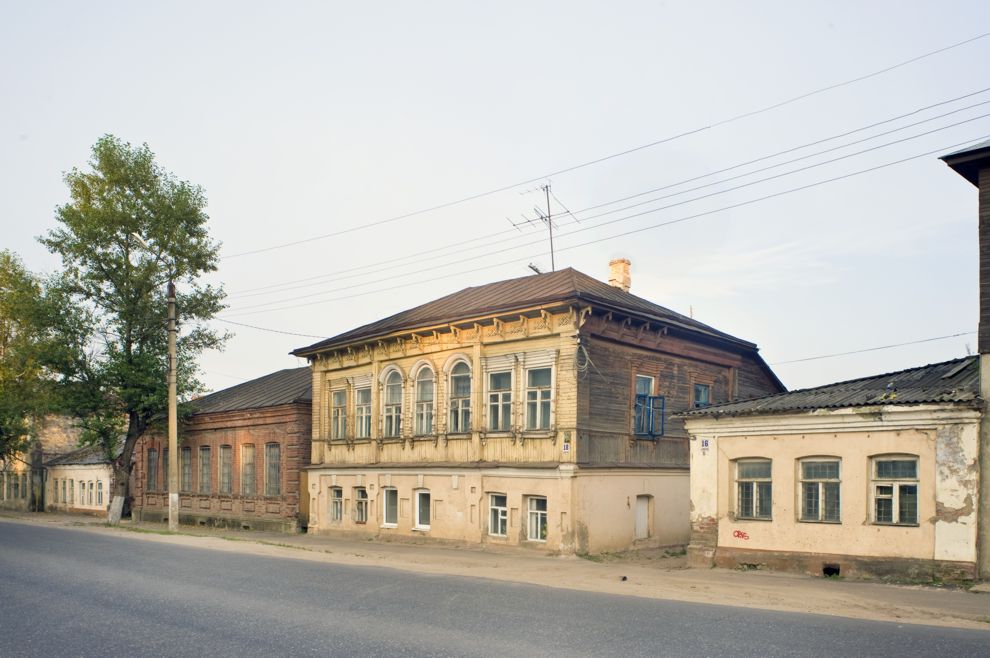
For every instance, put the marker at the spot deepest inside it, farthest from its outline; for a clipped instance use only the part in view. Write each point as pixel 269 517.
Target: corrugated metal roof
pixel 567 286
pixel 956 381
pixel 282 387
pixel 84 456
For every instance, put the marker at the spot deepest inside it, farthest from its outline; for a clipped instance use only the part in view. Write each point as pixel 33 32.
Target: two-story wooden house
pixel 533 411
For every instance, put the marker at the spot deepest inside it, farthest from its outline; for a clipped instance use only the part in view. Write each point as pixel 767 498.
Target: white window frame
pixel 897 486
pixel 821 489
pixel 537 520
pixel 99 492
pixel 460 406
pixel 755 485
pixel 425 422
pixel 362 413
pixel 361 505
pixel 336 505
pixel 503 402
pixel 498 515
pixel 386 493
pixel 392 411
pixel 338 413
pixel 418 496
pixel 539 402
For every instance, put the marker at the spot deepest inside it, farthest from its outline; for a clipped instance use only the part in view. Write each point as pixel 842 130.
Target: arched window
pixel 424 401
pixel 392 405
pixel 460 399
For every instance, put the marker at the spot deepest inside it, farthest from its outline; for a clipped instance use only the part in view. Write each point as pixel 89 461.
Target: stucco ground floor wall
pixel 557 507
pixel 82 488
pixel 15 487
pixel 937 541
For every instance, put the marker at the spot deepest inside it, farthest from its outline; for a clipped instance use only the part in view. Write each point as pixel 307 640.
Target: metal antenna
pixel 547 219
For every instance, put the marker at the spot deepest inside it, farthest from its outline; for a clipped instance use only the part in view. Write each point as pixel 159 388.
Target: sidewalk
pixel 648 574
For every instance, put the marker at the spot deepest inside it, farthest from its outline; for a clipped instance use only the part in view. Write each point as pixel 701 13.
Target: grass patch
pixel 591 557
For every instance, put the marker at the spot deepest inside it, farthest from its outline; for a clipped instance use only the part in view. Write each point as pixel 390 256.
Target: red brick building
pixel 241 454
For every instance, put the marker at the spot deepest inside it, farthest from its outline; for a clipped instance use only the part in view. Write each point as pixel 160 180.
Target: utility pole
pixel 553 265
pixel 173 430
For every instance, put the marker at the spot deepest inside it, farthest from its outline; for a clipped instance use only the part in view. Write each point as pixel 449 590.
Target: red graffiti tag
pixel 739 534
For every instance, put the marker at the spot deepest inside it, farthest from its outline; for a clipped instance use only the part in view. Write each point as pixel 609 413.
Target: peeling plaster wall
pixel 945 440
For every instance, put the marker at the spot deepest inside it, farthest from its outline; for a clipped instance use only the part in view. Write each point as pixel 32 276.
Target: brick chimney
pixel 973 164
pixel 618 274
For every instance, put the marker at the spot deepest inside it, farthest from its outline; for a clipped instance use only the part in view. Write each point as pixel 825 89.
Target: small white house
pixel 79 481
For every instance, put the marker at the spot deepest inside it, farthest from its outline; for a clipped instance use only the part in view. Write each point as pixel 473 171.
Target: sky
pixel 363 158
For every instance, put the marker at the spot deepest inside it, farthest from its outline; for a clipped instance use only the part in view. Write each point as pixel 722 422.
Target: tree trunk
pixel 122 470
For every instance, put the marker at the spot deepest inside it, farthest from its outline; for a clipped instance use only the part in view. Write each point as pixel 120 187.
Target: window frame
pixel 362 413
pixel 335 507
pixel 338 414
pixel 418 508
pixel 756 493
pixel 646 406
pixel 424 410
pixel 391 412
pixel 225 458
pixel 502 408
pixel 273 469
pixel 205 487
pixel 185 469
pixel 386 493
pixel 537 519
pixel 543 421
pixel 151 477
pixel 361 505
pixel 498 515
pixel 701 401
pixel 460 405
pixel 249 470
pixel 99 492
pixel 821 486
pixel 897 485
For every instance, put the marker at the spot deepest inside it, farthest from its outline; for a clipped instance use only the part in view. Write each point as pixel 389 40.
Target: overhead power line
pixel 941 149
pixel 584 228
pixel 874 349
pixel 396 262
pixel 274 331
pixel 529 181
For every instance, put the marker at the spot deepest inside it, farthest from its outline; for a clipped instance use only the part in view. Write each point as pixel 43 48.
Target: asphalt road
pixel 67 592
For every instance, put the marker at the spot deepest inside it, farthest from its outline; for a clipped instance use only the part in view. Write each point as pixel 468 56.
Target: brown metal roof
pixel 563 286
pixel 956 381
pixel 282 387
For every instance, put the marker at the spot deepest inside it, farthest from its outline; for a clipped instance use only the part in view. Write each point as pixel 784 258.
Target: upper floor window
pixel 152 469
pixel 702 395
pixel 362 413
pixel 648 409
pixel 273 469
pixel 338 414
pixel 424 402
pixel 895 490
pixel 538 399
pixel 754 489
pixel 226 469
pixel 392 405
pixel 820 490
pixel 460 398
pixel 499 401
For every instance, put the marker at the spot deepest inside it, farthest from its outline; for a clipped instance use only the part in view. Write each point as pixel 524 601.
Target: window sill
pixel 421 528
pixel 748 518
pixel 820 522
pixel 897 525
pixel 389 525
pixel 538 434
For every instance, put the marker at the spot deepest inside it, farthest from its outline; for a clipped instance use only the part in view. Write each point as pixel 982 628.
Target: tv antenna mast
pixel 541 217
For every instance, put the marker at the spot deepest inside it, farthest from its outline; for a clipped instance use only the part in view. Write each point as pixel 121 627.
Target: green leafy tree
pixel 24 390
pixel 129 229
